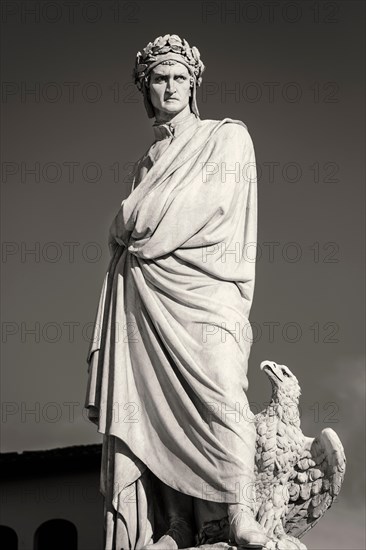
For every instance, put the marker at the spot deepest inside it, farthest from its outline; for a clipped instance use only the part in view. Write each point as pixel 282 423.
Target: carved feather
pixel 323 463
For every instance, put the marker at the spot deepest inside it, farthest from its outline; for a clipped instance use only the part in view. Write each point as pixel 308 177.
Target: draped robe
pixel 168 362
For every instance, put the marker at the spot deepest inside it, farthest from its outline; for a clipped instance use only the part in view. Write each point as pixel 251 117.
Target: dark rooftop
pixel 63 459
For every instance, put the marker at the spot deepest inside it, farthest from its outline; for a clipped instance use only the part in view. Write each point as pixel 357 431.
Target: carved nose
pixel 171 88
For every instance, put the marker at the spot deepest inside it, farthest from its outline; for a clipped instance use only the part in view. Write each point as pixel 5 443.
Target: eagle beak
pixel 265 364
pixel 271 367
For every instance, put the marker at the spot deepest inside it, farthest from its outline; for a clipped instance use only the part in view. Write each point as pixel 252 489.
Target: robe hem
pixel 191 493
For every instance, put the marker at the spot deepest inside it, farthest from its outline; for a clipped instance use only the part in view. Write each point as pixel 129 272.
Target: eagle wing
pixel 315 482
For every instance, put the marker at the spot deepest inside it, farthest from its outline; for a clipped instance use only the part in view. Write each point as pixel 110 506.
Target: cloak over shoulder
pixel 168 361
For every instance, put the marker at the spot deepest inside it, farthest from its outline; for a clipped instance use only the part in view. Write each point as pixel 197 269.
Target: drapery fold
pixel 168 360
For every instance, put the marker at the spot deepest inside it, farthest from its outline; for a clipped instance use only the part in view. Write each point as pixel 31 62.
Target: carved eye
pixel 285 373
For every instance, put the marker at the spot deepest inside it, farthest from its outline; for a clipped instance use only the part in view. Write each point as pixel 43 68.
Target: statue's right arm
pixel 114 241
pixel 116 229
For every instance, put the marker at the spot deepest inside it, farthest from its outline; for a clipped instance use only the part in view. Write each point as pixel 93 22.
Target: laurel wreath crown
pixel 163 45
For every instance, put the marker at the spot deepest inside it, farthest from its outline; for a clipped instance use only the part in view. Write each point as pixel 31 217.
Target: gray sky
pixel 294 77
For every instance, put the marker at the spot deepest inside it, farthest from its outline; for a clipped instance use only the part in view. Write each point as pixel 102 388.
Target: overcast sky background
pixel 296 73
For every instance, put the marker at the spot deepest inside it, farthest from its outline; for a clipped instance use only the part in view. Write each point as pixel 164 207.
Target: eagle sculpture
pixel 297 477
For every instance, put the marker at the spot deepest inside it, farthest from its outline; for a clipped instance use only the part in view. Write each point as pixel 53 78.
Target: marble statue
pixel 167 365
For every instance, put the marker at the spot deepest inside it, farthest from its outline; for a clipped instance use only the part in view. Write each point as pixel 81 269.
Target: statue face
pixel 169 88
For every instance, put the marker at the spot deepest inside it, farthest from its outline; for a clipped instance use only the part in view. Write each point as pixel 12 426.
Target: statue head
pixel 167 72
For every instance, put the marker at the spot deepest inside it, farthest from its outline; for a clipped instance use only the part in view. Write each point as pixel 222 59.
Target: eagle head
pixel 285 385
